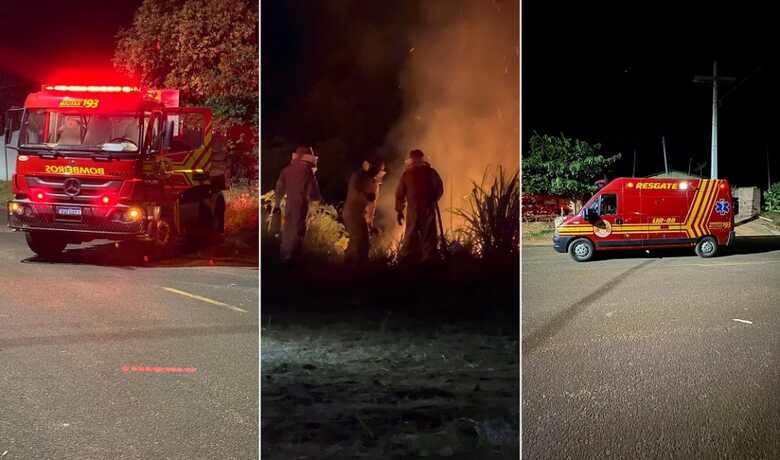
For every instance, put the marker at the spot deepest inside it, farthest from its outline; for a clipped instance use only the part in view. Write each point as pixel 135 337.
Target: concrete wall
pixel 749 202
pixel 10 159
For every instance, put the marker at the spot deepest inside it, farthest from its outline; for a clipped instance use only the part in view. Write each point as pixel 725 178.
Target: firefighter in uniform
pixel 298 183
pixel 359 211
pixel 419 190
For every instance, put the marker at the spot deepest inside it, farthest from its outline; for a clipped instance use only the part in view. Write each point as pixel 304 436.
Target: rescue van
pixel 648 213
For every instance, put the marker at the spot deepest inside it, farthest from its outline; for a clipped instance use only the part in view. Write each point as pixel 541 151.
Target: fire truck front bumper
pixel 83 221
pixel 561 243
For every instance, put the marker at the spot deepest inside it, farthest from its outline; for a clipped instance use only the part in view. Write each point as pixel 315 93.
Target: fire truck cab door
pixel 187 144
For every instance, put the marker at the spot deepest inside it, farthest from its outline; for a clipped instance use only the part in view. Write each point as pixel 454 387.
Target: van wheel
pixel 45 245
pixel 581 250
pixel 707 247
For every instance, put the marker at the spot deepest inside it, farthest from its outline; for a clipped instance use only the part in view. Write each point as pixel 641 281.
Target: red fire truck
pixel 117 163
pixel 647 213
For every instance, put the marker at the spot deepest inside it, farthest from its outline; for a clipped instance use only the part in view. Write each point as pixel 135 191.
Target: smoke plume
pixel 461 98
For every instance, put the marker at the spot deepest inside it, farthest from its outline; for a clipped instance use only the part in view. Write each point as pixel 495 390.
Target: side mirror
pixel 591 215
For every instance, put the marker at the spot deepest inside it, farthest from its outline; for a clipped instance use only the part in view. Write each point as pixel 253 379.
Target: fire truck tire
pixel 707 247
pixel 581 250
pixel 45 245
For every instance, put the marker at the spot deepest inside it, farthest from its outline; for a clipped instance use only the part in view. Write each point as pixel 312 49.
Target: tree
pixel 208 49
pixel 559 165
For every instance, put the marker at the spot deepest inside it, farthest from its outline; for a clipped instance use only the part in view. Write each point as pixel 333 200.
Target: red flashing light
pixel 105 199
pixel 722 185
pixel 39 195
pixel 92 88
pixel 630 185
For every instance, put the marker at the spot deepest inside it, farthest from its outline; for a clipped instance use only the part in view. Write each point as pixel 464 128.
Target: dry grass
pixel 242 210
pixel 5 191
pixel 538 230
pixel 326 237
pixel 492 215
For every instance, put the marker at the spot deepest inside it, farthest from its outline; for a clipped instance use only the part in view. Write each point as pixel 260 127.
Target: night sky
pixel 38 37
pixel 622 76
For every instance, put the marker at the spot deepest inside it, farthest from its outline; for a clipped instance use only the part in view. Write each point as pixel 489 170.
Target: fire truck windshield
pixel 80 131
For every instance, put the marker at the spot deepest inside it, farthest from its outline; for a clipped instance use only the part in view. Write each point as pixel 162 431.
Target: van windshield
pixel 79 131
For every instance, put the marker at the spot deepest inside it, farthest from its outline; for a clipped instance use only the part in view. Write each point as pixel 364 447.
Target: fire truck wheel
pixel 164 245
pixel 707 247
pixel 581 250
pixel 45 245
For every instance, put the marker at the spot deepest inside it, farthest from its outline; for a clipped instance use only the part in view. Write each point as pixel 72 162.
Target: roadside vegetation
pixel 772 198
pixel 5 191
pixel 538 232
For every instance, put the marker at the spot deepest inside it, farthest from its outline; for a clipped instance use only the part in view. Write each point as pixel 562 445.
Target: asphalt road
pixel 642 356
pixel 102 359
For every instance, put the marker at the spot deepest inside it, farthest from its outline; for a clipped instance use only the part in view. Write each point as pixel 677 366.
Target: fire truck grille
pixel 89 189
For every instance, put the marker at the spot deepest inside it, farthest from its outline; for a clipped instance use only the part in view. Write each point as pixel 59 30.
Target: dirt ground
pixel 384 388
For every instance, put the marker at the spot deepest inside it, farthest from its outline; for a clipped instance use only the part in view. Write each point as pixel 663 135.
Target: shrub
pixel 242 210
pixel 326 237
pixel 772 198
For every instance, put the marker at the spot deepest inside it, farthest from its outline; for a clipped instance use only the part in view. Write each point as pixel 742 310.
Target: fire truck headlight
pixel 14 208
pixel 133 215
pixel 28 211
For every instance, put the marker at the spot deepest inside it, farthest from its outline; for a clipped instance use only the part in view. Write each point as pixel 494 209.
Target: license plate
pixel 69 212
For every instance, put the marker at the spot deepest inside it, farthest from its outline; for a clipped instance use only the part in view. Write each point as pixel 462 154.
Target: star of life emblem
pixel 722 207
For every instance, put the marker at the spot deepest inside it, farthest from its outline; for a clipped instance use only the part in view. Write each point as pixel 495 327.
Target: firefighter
pixel 298 183
pixel 419 190
pixel 359 211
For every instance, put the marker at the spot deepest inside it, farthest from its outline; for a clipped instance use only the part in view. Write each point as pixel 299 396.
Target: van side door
pixel 664 215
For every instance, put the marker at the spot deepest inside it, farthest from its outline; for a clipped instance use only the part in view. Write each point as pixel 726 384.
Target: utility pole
pixel 690 163
pixel 714 79
pixel 666 164
pixel 633 171
pixel 768 177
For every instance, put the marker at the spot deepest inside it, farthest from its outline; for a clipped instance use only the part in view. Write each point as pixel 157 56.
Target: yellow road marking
pixel 204 299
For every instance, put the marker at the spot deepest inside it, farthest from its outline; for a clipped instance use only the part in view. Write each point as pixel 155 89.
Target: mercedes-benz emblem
pixel 71 186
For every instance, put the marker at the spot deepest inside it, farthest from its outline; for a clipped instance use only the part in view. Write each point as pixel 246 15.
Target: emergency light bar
pixel 92 89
